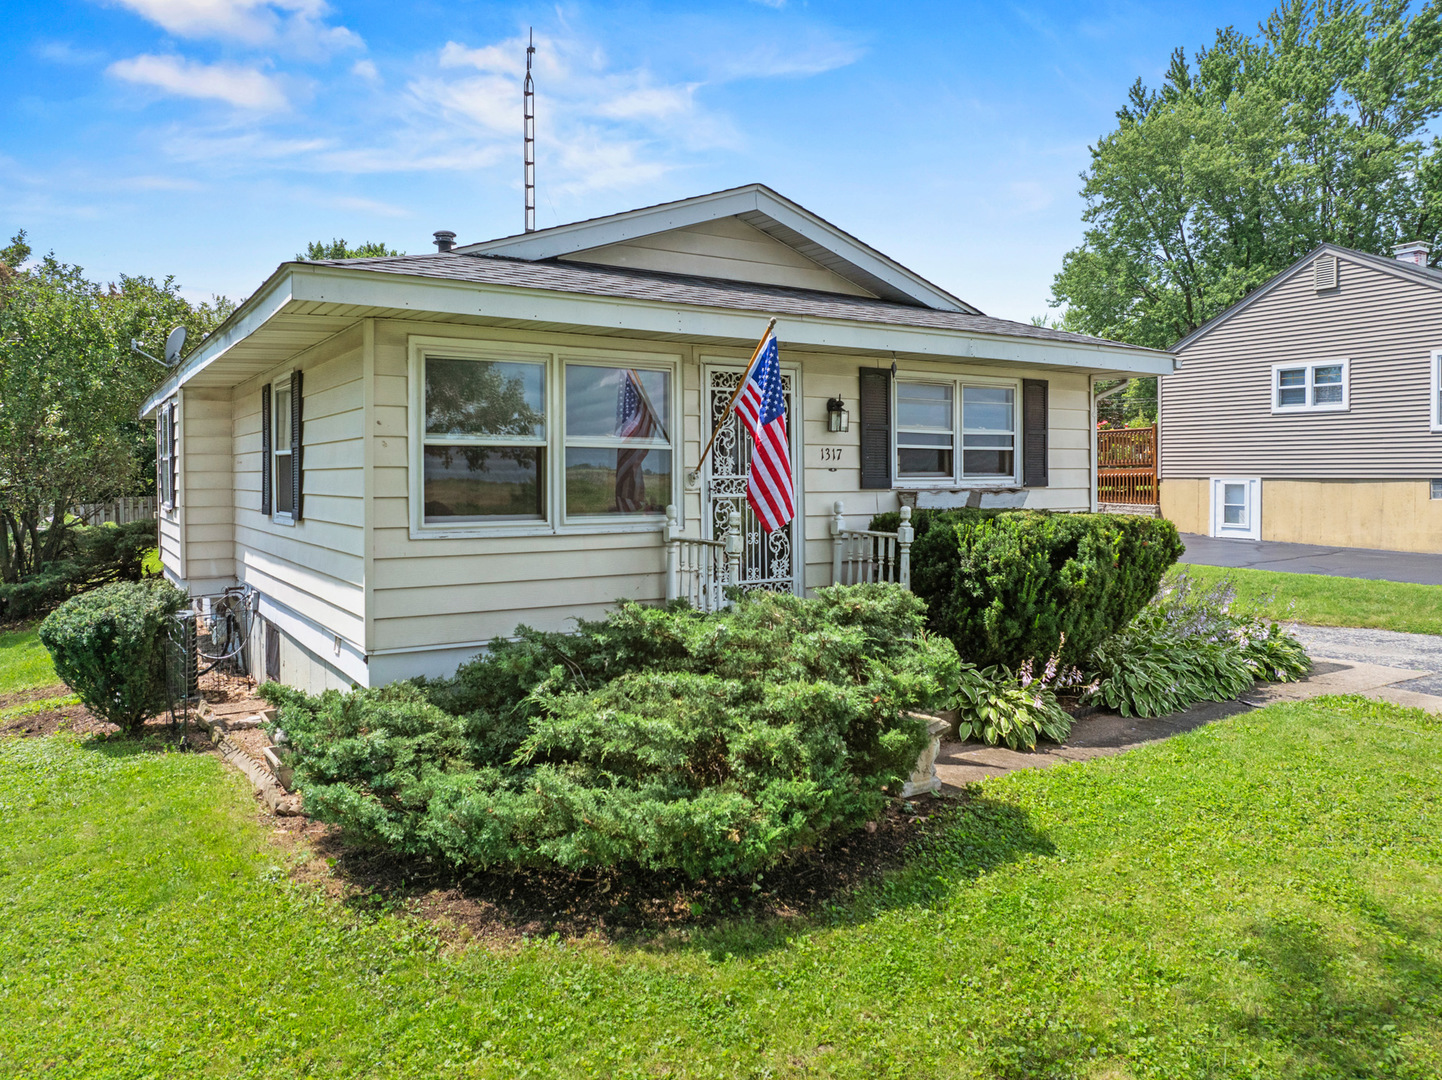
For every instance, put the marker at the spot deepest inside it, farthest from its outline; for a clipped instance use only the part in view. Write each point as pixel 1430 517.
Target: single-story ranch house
pixel 407 457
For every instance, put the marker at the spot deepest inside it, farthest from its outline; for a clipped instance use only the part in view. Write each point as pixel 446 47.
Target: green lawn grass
pixel 24 663
pixel 1333 601
pixel 1258 898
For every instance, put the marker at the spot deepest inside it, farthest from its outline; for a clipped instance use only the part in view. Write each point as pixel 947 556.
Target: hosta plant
pixel 997 705
pixel 1190 645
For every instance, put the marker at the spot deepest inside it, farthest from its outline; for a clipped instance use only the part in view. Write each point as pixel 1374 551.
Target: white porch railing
pixel 865 555
pixel 699 570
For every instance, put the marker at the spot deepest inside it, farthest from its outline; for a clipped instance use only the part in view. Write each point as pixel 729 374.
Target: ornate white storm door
pixel 770 561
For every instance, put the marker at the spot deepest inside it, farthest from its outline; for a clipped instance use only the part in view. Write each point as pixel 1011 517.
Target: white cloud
pixel 295 24
pixel 244 87
pixel 366 69
pixel 63 52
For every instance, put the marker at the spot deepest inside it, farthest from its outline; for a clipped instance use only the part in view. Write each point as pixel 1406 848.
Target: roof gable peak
pixel 754 204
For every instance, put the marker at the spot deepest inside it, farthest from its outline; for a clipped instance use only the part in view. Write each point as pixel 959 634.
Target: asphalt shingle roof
pixel 593 280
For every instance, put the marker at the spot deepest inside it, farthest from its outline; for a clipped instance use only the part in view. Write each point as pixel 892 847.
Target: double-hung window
pixel 538 441
pixel 930 415
pixel 618 440
pixel 166 458
pixel 485 440
pixel 1436 394
pixel 281 453
pixel 1318 386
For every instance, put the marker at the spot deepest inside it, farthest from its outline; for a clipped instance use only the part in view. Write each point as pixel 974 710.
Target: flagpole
pixel 741 385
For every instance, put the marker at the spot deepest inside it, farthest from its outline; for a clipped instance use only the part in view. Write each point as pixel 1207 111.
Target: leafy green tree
pixel 1313 130
pixel 70 389
pixel 339 249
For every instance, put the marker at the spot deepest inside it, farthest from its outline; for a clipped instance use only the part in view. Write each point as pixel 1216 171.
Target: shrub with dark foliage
pixel 657 738
pixel 108 646
pixel 95 555
pixel 1005 586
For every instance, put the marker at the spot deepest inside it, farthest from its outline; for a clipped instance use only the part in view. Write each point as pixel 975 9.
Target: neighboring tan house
pixel 1310 412
pixel 407 457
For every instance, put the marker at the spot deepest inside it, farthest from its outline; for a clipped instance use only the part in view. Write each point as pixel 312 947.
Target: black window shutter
pixel 265 449
pixel 295 445
pixel 173 462
pixel 875 428
pixel 1033 433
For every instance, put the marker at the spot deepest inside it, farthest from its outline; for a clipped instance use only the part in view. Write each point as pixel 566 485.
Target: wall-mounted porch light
pixel 837 418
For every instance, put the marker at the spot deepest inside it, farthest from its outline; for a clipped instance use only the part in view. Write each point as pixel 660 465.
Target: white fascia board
pixel 336 285
pixel 248 318
pixel 583 235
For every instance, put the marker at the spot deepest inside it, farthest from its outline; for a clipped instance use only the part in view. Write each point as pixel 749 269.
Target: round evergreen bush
pixel 1006 585
pixel 109 647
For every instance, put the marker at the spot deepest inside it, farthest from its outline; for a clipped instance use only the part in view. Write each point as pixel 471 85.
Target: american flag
pixel 762 408
pixel 635 419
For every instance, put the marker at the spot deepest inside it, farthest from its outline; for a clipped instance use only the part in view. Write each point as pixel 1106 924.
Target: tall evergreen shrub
pixel 1006 585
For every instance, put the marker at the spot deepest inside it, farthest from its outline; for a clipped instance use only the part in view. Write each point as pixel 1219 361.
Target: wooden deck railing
pixel 1127 466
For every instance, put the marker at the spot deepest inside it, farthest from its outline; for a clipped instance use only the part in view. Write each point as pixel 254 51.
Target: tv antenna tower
pixel 529 107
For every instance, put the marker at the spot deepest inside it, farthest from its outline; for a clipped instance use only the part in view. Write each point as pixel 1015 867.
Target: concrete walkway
pixel 1312 559
pixel 1104 734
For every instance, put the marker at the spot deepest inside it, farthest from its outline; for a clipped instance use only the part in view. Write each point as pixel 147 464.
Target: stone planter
pixel 278 758
pixel 923 779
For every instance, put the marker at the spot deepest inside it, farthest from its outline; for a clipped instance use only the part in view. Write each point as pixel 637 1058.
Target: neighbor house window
pixel 1436 391
pixel 282 458
pixel 618 440
pixel 1319 386
pixel 535 441
pixel 930 414
pixel 1234 504
pixel 484 453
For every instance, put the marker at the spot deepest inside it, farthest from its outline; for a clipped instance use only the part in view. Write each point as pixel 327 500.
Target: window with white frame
pixel 281 455
pixel 542 440
pixel 1436 391
pixel 484 456
pixel 1317 386
pixel 929 416
pixel 165 455
pixel 618 440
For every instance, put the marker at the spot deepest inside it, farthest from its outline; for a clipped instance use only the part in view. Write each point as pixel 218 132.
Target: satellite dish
pixel 174 342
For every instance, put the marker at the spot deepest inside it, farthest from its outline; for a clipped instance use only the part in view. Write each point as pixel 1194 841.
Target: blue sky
pixel 212 139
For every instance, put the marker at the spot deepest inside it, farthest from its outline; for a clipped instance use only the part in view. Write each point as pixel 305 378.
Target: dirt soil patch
pixel 501 908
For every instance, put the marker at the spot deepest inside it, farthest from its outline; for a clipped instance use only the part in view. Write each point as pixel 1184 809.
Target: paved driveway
pixel 1313 559
pixel 1389 648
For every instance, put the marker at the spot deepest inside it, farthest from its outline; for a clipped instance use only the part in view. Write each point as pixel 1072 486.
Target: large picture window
pixel 929 416
pixel 540 441
pixel 485 440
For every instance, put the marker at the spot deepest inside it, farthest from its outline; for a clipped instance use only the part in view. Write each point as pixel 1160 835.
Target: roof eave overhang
pixel 354 288
pixel 266 302
pixel 751 199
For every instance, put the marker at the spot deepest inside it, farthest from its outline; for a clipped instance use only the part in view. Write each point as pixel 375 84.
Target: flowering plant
pixel 997 705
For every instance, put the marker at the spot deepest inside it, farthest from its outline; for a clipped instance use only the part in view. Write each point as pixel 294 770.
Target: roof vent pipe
pixel 445 239
pixel 1413 251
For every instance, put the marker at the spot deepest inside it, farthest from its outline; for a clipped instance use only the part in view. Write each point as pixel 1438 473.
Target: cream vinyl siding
pixel 206 494
pixel 316 567
pixel 430 593
pixel 725 248
pixel 1216 412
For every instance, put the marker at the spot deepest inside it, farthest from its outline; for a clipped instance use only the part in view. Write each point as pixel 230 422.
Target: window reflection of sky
pixel 592 393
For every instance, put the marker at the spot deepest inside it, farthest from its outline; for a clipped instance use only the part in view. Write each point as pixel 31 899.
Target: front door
pixel 768 560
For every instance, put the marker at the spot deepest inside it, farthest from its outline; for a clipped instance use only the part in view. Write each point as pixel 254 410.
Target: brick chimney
pixel 445 239
pixel 1413 251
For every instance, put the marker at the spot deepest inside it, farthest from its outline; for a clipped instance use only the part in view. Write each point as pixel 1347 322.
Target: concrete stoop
pixel 265 771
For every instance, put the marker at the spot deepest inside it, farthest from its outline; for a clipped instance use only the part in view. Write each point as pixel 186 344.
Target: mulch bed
pixel 502 908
